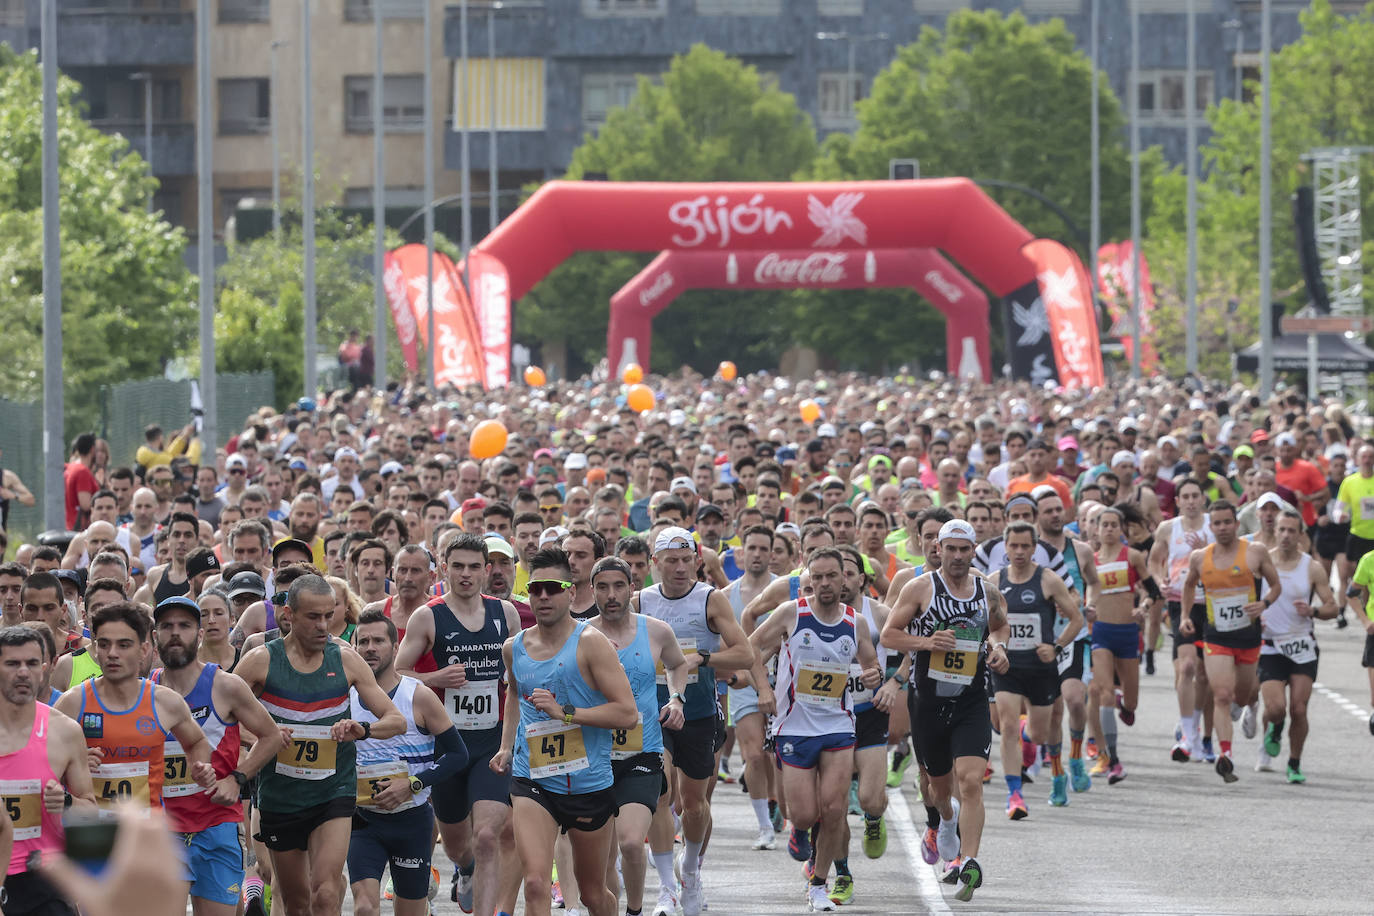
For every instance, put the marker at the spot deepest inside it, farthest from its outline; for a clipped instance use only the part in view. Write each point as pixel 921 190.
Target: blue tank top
pixel 727 563
pixel 638 661
pixel 561 758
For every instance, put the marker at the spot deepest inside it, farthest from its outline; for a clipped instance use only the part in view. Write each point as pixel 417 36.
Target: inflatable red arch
pixel 672 273
pixel 1052 329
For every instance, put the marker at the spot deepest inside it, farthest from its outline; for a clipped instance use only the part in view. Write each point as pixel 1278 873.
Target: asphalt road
pixel 1172 838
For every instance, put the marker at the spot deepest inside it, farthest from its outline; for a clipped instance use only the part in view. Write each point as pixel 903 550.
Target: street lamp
pixel 276 147
pixel 146 78
pixel 493 214
pixel 851 77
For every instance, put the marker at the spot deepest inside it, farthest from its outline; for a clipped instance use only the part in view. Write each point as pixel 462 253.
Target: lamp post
pixel 146 78
pixel 1190 113
pixel 1095 164
pixel 1266 356
pixel 851 73
pixel 54 436
pixel 276 145
pixel 493 178
pixel 308 198
pixel 205 216
pixel 429 175
pixel 379 306
pixel 1135 189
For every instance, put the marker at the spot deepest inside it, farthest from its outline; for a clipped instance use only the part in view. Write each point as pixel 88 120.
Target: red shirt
pixel 1302 477
pixel 77 479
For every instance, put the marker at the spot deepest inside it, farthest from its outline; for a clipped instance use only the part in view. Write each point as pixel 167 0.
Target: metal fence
pixel 21 451
pixel 128 408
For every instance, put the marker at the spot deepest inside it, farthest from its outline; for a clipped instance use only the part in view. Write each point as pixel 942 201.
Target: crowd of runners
pixel 344 639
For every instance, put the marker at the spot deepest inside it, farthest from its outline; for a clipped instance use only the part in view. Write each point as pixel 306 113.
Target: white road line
pixel 1344 703
pixel 899 816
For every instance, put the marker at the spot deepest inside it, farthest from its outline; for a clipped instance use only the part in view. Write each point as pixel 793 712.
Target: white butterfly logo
pixel 1033 320
pixel 837 222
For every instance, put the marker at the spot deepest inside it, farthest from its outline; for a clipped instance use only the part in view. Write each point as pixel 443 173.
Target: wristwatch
pixel 734 679
pixel 568 711
pixel 900 679
pixel 367 730
pixel 416 787
pixel 240 778
pixel 679 697
pixel 705 656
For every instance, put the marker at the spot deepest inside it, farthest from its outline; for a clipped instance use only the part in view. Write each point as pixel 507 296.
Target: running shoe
pixel 1149 661
pixel 1180 752
pixel 842 891
pixel 1079 780
pixel 1341 622
pixel 947 839
pixel 1236 710
pixel 1265 763
pixel 389 892
pixel 1226 769
pixel 808 869
pixel 724 773
pixel 766 839
pixel 929 854
pixel 254 906
pixel 951 875
pixel 1101 767
pixel 1127 715
pixel 434 882
pixel 691 893
pixel 1249 720
pixel 897 768
pixel 854 808
pixel 462 891
pixel 1371 723
pixel 970 879
pixel 1059 790
pixel 556 895
pixel 1016 806
pixel 1116 774
pixel 799 845
pixel 667 902
pixel 1272 746
pixel 875 839
pixel 987 771
pixel 1208 754
pixel 1295 775
pixel 1090 749
pixel 817 900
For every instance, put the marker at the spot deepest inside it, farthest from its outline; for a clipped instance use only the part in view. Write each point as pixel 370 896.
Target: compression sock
pixel 1076 743
pixel 691 856
pixel 842 866
pixel 1013 784
pixel 760 806
pixel 1107 716
pixel 663 864
pixel 932 816
pixel 1056 759
pixel 252 890
pixel 1294 763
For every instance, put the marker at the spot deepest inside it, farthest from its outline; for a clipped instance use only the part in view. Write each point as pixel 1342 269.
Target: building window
pixel 1053 7
pixel 836 97
pixel 403 104
pixel 245 106
pixel 167 201
pixel 739 7
pixel 519 87
pixel 938 7
pixel 1160 94
pixel 244 10
pixel 840 7
pixel 624 7
pixel 12 13
pixel 399 198
pixel 603 91
pixel 362 10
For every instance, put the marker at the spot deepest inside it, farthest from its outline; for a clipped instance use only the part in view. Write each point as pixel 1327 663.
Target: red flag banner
pixel 1067 298
pixel 1115 266
pixel 398 297
pixel 458 347
pixel 491 306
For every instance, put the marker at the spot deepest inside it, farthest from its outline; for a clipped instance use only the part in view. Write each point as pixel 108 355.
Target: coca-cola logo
pixel 662 283
pixel 944 286
pixel 703 219
pixel 818 268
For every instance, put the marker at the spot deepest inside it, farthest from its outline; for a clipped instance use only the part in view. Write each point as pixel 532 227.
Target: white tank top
pixel 400 756
pixel 1179 551
pixel 1280 620
pixel 813 675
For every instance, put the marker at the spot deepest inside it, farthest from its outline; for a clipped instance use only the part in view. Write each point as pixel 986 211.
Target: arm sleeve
pixel 451 756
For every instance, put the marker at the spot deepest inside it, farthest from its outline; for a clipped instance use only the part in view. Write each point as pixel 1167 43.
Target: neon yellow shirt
pixel 1358 495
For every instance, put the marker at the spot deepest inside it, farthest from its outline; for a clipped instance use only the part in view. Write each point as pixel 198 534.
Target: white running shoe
pixel 1236 710
pixel 766 839
pixel 818 899
pixel 1249 720
pixel 947 837
pixel 1265 763
pixel 691 893
pixel 667 902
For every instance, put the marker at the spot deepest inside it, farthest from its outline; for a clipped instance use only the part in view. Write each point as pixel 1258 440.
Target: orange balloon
pixel 640 397
pixel 534 376
pixel 810 410
pixel 488 439
pixel 727 371
pixel 633 375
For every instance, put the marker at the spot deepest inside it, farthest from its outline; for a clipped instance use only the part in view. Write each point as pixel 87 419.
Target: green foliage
pixel 1320 98
pixel 711 119
pixel 128 301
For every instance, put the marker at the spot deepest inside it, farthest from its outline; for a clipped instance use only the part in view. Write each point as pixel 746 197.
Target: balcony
pixel 174 143
pixel 127 36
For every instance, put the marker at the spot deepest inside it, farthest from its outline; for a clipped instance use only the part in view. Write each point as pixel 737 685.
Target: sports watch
pixel 568 711
pixel 416 787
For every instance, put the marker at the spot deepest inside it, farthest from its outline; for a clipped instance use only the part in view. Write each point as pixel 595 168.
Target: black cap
pixel 1037 443
pixel 247 583
pixel 289 543
pixel 815 445
pixel 201 563
pixel 709 509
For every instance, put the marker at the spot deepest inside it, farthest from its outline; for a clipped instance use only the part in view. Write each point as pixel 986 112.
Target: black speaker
pixel 1305 225
pixel 1276 313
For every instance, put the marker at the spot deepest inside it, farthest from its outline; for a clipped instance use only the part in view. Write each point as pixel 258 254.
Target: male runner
pixel 410 577
pixel 818 639
pixel 462 632
pixel 306 800
pixel 370 559
pixel 171 578
pixel 1032 594
pixel 946 620
pixel 643 644
pixel 1288 657
pixel 42 765
pixel 1229 572
pixel 584 547
pixel 394 824
pixel 556 738
pixel 208 822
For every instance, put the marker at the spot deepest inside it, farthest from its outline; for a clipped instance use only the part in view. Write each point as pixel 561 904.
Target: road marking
pixel 899 815
pixel 1353 708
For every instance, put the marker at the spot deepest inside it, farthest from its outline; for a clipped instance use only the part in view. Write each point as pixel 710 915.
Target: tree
pixel 128 301
pixel 712 118
pixel 1320 98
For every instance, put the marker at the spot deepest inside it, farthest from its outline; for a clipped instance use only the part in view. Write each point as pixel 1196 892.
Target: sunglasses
pixel 549 508
pixel 547 588
pixel 236 471
pixel 912 515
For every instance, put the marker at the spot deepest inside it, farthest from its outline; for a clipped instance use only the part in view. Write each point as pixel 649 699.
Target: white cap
pixel 1123 457
pixel 955 529
pixel 1285 438
pixel 674 538
pixel 345 452
pixel 1167 440
pixel 1273 499
pixel 392 467
pixel 867 426
pixel 826 431
pixel 677 417
pixel 551 535
pixel 682 483
pixel 575 462
pixel 235 461
pixel 1197 404
pixel 1127 423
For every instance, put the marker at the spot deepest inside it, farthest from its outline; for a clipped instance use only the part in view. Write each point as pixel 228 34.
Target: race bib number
pixel 371 777
pixel 121 782
pixel 822 683
pixel 556 749
pixel 24 805
pixel 1367 509
pixel 311 754
pixel 627 742
pixel 1115 577
pixel 1025 632
pixel 1300 648
pixel 1228 609
pixel 689 647
pixel 1063 657
pixel 958 665
pixel 858 693
pixel 176 773
pixel 474 706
